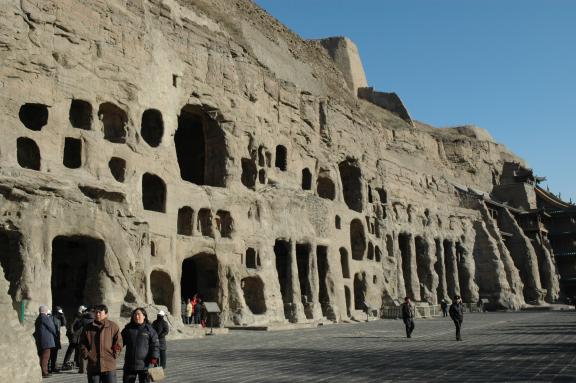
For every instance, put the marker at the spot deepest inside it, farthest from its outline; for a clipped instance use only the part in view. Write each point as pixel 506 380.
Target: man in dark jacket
pixel 142 347
pixel 161 327
pixel 44 335
pixel 101 343
pixel 73 333
pixel 444 307
pixel 408 314
pixel 457 314
pixel 87 320
pixel 59 321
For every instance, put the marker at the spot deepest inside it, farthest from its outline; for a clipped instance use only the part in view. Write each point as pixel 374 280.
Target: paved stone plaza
pixel 497 347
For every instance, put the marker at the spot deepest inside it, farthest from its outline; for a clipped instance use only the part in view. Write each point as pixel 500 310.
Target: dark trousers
pixel 409 323
pixel 72 348
pixel 130 376
pixel 445 313
pixel 44 357
pixel 163 359
pixel 53 358
pixel 103 377
pixel 458 324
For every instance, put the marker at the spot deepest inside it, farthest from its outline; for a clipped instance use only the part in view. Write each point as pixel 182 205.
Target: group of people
pixel 456 312
pixel 98 341
pixel 194 311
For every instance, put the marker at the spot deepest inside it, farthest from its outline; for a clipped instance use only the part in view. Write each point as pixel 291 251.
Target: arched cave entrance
pixel 200 276
pixel 200 147
pixel 359 291
pixel 351 177
pixel 11 259
pixel 28 153
pixel 162 289
pixel 77 272
pixel 33 116
pixel 153 193
pixel 357 239
pixel 282 252
pixel 325 188
pixel 185 221
pixel 344 263
pixel 306 179
pixel 114 120
pixel 281 161
pixel 80 114
pixel 253 289
pixel 152 127
pixel 404 243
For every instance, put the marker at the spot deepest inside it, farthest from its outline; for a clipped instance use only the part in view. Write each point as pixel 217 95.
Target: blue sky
pixel 507 66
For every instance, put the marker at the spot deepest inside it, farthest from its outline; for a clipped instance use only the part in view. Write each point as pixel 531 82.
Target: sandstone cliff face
pixel 19 358
pixel 156 149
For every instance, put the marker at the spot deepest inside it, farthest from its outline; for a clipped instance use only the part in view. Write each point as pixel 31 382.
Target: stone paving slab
pixel 497 347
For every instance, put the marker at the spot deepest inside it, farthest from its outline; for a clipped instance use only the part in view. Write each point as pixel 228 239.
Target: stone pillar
pixel 466 272
pixel 19 358
pixel 440 268
pixel 314 282
pixel 515 300
pixel 548 273
pixel 452 280
pixel 298 314
pixel 428 281
pixel 414 280
pixel 524 257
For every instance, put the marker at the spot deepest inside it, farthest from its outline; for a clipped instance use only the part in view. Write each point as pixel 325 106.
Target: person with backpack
pixel 73 334
pixel 162 329
pixel 142 347
pixel 59 321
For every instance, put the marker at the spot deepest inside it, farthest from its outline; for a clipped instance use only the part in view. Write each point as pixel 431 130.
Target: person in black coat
pixel 162 329
pixel 44 335
pixel 59 321
pixel 457 314
pixel 87 318
pixel 73 333
pixel 408 315
pixel 444 307
pixel 142 347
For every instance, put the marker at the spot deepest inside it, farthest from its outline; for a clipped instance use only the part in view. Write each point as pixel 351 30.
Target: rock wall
pixel 153 150
pixel 19 357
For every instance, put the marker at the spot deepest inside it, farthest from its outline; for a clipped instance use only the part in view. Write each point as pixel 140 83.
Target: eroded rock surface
pixel 152 150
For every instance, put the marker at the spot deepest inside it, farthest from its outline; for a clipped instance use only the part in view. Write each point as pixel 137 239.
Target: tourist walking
pixel 73 334
pixel 183 306
pixel 87 319
pixel 59 321
pixel 142 347
pixel 457 314
pixel 101 343
pixel 44 335
pixel 198 307
pixel 444 307
pixel 161 327
pixel 189 311
pixel 408 314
